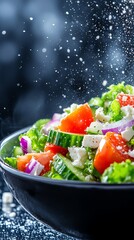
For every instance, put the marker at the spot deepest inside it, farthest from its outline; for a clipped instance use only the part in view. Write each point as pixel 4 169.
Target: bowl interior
pixel 59 201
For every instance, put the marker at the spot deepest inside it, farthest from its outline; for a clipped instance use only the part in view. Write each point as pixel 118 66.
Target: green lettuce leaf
pixel 119 173
pixel 38 138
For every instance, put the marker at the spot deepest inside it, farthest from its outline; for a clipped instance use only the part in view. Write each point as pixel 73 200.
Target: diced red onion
pixel 25 143
pixel 34 167
pixel 118 126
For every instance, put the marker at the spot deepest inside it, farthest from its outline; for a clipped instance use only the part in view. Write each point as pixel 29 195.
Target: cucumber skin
pixel 17 151
pixel 64 139
pixel 66 170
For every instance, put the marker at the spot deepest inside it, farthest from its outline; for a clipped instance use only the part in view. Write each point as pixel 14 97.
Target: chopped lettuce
pixel 12 161
pixel 88 165
pixel 115 111
pixel 119 173
pixel 115 89
pixel 38 138
pixel 108 100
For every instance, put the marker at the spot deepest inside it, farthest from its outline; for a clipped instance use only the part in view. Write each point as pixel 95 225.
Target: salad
pixel 89 142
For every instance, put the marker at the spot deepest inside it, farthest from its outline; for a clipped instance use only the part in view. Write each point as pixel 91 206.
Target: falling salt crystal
pixel 31 18
pixel 110 17
pixel 24 31
pixel 12 214
pixel 81 59
pixel 7 197
pixel 6 208
pixel 67 13
pixel 110 35
pixel 44 50
pixel 73 38
pixel 124 11
pixel 68 50
pixel 104 83
pixel 4 32
pixel 97 37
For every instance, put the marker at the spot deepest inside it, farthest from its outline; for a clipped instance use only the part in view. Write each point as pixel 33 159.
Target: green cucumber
pixel 17 151
pixel 64 139
pixel 66 170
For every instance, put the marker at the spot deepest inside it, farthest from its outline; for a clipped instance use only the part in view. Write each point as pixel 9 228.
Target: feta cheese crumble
pixel 78 155
pixel 91 141
pixel 99 115
pixel 127 134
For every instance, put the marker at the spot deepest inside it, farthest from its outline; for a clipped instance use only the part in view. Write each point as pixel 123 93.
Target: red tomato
pixel 78 120
pixel 112 148
pixel 44 158
pixel 56 149
pixel 125 99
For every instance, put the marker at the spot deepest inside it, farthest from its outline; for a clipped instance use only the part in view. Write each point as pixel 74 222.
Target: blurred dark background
pixel 54 53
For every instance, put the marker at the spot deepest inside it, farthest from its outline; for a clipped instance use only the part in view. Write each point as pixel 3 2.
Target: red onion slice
pixel 118 126
pixel 25 143
pixel 34 167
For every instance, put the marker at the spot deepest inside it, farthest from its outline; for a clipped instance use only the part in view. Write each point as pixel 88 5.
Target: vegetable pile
pixel 89 142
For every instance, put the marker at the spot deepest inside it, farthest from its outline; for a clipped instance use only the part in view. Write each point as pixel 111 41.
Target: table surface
pixel 16 223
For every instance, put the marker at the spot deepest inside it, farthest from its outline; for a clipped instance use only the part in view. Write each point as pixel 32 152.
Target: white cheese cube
pixel 127 134
pixel 99 115
pixel 95 127
pixel 91 141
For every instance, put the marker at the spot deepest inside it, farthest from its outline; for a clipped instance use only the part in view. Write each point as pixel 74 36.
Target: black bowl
pixel 79 209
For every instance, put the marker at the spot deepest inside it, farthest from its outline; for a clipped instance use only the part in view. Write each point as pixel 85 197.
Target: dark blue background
pixel 54 53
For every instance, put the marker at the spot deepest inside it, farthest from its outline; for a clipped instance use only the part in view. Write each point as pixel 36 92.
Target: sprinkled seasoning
pixel 16 223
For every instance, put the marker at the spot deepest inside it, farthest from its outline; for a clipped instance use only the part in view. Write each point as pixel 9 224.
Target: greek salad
pixel 89 142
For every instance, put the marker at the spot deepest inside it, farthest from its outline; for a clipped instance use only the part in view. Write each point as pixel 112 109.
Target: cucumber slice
pixel 66 170
pixel 17 151
pixel 64 139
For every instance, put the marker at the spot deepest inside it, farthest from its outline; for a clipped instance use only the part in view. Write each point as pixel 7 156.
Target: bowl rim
pixel 70 183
